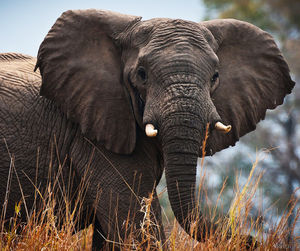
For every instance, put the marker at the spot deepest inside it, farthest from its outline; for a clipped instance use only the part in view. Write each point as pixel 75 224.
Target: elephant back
pixel 19 84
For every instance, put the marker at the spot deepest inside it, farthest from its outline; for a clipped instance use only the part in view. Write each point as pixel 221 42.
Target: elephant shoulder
pixel 19 85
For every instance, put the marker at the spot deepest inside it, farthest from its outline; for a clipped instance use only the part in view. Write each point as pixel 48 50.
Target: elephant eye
pixel 142 75
pixel 215 77
pixel 214 82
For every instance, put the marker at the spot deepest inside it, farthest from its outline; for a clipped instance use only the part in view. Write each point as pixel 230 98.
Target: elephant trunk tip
pixel 222 128
pixel 150 130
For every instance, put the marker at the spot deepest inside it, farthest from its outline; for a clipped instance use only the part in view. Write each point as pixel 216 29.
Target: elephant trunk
pixel 181 145
pixel 180 170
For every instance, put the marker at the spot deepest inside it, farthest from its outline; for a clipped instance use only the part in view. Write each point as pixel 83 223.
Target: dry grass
pixel 44 230
pixel 234 230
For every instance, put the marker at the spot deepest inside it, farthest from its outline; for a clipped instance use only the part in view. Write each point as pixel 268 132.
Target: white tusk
pixel 222 128
pixel 150 131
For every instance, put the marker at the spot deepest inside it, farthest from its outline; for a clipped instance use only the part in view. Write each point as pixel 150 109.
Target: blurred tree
pixel 280 130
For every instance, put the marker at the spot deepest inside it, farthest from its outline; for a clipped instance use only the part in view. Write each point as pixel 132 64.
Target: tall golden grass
pixel 45 230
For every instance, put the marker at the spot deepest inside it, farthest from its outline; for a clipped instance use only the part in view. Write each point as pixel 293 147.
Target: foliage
pixel 276 16
pixel 247 10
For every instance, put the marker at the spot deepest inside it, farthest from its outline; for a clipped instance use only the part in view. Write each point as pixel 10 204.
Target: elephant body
pixel 120 100
pixel 36 136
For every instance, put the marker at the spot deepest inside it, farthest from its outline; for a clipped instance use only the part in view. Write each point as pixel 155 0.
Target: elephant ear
pixel 81 69
pixel 253 74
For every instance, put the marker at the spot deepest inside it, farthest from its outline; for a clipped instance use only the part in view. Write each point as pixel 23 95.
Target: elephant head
pixel 114 74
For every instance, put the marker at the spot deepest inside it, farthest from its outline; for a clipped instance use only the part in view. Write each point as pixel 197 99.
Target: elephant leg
pixel 98 236
pixel 156 209
pixel 128 214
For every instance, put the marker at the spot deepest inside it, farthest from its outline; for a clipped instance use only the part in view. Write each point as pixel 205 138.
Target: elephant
pixel 123 99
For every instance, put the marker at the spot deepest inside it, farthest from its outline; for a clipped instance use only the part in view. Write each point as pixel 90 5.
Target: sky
pixel 25 23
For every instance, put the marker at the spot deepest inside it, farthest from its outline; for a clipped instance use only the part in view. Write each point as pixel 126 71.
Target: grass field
pixel 43 230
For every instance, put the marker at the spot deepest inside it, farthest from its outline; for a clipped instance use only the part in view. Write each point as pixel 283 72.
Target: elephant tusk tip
pixel 150 130
pixel 222 128
pixel 228 129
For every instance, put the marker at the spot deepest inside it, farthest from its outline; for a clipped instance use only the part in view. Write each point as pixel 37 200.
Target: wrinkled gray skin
pixel 104 77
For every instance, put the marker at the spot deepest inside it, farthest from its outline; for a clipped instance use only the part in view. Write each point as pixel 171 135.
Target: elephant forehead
pixel 181 34
pixel 163 32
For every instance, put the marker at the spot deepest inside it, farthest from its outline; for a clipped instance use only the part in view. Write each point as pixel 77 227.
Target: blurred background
pixel 276 142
